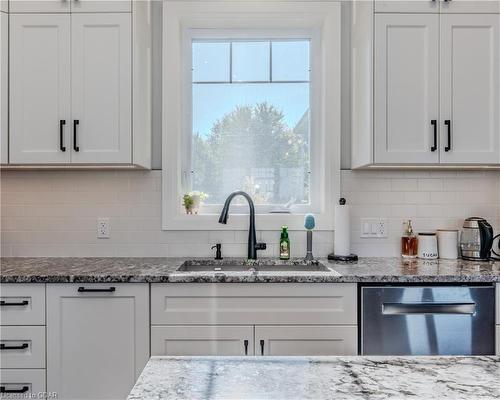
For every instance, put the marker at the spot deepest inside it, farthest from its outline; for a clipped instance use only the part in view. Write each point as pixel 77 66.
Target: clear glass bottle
pixel 284 244
pixel 409 242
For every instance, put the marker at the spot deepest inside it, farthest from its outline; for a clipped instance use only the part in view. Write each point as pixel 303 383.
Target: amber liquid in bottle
pixel 409 242
pixel 409 246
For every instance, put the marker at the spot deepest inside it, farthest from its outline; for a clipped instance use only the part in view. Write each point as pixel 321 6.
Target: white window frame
pixel 320 22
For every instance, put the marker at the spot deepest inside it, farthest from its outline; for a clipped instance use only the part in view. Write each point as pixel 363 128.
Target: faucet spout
pixel 253 246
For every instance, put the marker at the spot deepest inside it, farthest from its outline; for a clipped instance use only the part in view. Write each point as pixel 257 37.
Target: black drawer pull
pixel 81 289
pixel 24 389
pixel 76 122
pixel 448 124
pixel 62 122
pixel 17 304
pixel 245 343
pixel 261 347
pixel 434 124
pixel 20 347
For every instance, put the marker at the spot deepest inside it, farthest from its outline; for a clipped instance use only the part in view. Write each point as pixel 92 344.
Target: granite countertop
pixel 121 269
pixel 318 378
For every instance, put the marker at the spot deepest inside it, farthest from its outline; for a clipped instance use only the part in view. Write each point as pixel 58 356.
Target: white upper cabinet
pixel 470 89
pixel 407 6
pixel 470 6
pixel 96 6
pixel 4 92
pixel 66 6
pixel 437 6
pixel 406 88
pixel 39 6
pixel 101 90
pixel 39 88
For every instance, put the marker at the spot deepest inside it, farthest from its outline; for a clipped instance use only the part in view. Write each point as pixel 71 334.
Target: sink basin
pixel 212 266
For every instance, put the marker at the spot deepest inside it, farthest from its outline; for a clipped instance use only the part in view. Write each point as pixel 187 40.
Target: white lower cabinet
pixel 202 340
pixel 22 383
pixel 231 319
pixel 306 340
pixel 97 339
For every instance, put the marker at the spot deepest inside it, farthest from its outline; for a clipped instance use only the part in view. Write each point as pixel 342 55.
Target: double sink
pixel 253 266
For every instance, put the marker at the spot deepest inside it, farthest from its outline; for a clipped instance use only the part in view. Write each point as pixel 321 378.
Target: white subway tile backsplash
pixel 54 213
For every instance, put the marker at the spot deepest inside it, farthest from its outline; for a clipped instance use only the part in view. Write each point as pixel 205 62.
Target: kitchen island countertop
pixel 150 269
pixel 339 378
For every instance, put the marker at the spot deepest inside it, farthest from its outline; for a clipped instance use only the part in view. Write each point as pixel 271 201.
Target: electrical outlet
pixel 374 228
pixel 103 228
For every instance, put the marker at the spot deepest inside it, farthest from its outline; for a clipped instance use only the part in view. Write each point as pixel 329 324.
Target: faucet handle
pixel 260 246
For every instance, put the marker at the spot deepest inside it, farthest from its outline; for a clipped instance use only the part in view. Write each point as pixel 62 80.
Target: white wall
pixel 46 213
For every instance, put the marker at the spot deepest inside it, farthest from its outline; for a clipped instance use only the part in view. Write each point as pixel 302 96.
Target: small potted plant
pixel 192 201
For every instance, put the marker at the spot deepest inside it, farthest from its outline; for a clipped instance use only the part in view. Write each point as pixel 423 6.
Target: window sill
pixel 238 222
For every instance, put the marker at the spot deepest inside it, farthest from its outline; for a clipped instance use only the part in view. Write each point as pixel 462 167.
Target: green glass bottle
pixel 284 244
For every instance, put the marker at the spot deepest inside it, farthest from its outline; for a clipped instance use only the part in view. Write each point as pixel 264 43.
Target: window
pixel 250 121
pixel 251 101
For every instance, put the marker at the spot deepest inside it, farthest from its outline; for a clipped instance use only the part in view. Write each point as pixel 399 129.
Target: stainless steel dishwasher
pixel 428 320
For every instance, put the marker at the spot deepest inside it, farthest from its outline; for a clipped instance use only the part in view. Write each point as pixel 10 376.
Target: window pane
pixel 251 61
pixel 251 137
pixel 291 61
pixel 211 62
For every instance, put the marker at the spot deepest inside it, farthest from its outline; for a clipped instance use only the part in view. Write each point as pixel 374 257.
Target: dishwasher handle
pixel 428 308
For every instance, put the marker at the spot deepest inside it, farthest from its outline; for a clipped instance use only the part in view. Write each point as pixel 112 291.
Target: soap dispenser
pixel 284 244
pixel 409 242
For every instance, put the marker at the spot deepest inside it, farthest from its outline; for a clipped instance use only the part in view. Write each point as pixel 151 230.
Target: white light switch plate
pixel 374 227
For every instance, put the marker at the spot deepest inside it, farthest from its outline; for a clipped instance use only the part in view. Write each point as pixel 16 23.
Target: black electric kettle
pixel 476 239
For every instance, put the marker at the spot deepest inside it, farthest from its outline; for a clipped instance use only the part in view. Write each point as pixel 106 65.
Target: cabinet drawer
pixel 22 304
pixel 306 340
pixel 23 382
pixel 201 340
pixel 253 304
pixel 22 346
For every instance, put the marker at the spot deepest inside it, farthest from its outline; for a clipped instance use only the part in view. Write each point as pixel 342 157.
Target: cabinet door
pixel 407 6
pixel 97 342
pixel 470 6
pixel 95 6
pixel 39 88
pixel 306 340
pixel 406 88
pixel 39 6
pixel 101 88
pixel 470 89
pixel 201 340
pixel 4 57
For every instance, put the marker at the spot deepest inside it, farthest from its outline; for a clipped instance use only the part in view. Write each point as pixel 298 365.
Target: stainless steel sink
pixel 211 266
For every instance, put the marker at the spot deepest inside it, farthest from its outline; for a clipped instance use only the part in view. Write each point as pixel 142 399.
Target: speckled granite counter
pixel 54 270
pixel 319 378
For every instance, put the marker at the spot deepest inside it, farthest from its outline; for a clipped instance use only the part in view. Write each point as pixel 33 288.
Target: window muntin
pixel 250 120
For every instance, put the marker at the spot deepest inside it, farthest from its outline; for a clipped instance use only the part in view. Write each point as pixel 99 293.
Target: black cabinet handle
pixel 448 124
pixel 245 342
pixel 81 289
pixel 434 124
pixel 62 122
pixel 261 347
pixel 22 390
pixel 21 303
pixel 20 347
pixel 76 122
